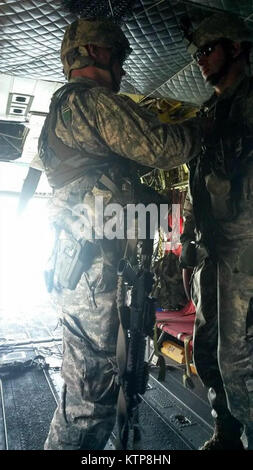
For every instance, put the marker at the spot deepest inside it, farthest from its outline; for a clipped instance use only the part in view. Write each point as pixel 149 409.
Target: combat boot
pixel 249 435
pixel 226 436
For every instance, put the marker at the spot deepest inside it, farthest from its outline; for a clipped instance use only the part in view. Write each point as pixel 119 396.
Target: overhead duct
pixel 19 104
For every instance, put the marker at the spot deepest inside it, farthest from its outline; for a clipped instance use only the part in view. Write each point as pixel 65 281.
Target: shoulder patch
pixel 66 113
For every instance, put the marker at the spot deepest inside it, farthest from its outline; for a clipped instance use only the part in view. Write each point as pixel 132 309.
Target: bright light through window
pixel 25 243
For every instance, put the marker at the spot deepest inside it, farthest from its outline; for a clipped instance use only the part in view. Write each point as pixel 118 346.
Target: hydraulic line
pixel 4 417
pixel 50 386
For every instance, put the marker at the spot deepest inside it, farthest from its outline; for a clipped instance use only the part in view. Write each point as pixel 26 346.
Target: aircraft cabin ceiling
pixel 159 66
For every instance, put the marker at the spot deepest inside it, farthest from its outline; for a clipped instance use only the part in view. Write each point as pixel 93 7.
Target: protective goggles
pixel 205 51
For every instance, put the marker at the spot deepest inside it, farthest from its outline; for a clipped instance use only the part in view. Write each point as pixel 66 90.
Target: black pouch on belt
pixel 73 259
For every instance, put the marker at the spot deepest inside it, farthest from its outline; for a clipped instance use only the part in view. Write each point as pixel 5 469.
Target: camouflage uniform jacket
pixel 90 131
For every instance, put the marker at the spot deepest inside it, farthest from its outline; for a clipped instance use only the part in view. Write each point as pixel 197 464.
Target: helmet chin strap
pixel 115 84
pixel 109 68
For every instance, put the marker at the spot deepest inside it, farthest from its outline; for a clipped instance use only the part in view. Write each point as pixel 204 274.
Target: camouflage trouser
pixel 86 413
pixel 223 337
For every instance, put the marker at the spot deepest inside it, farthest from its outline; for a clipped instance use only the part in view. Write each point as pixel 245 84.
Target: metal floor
pixel 171 416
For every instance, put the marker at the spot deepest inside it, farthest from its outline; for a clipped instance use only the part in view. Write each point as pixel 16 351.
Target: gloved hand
pixel 188 254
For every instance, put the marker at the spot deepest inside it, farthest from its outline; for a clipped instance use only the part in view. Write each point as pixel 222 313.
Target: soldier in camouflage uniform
pixel 92 144
pixel 218 216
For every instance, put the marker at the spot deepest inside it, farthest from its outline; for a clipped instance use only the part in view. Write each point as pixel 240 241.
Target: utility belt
pixel 73 255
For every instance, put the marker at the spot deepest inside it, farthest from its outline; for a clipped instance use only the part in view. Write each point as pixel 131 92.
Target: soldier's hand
pixel 188 255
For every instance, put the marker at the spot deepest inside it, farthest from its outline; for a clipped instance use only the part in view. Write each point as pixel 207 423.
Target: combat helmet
pixel 100 32
pixel 219 25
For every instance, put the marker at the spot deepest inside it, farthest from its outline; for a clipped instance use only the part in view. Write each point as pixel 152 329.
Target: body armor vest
pixel 64 164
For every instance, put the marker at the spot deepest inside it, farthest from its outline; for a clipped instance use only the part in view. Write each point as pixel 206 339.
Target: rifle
pixel 136 310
